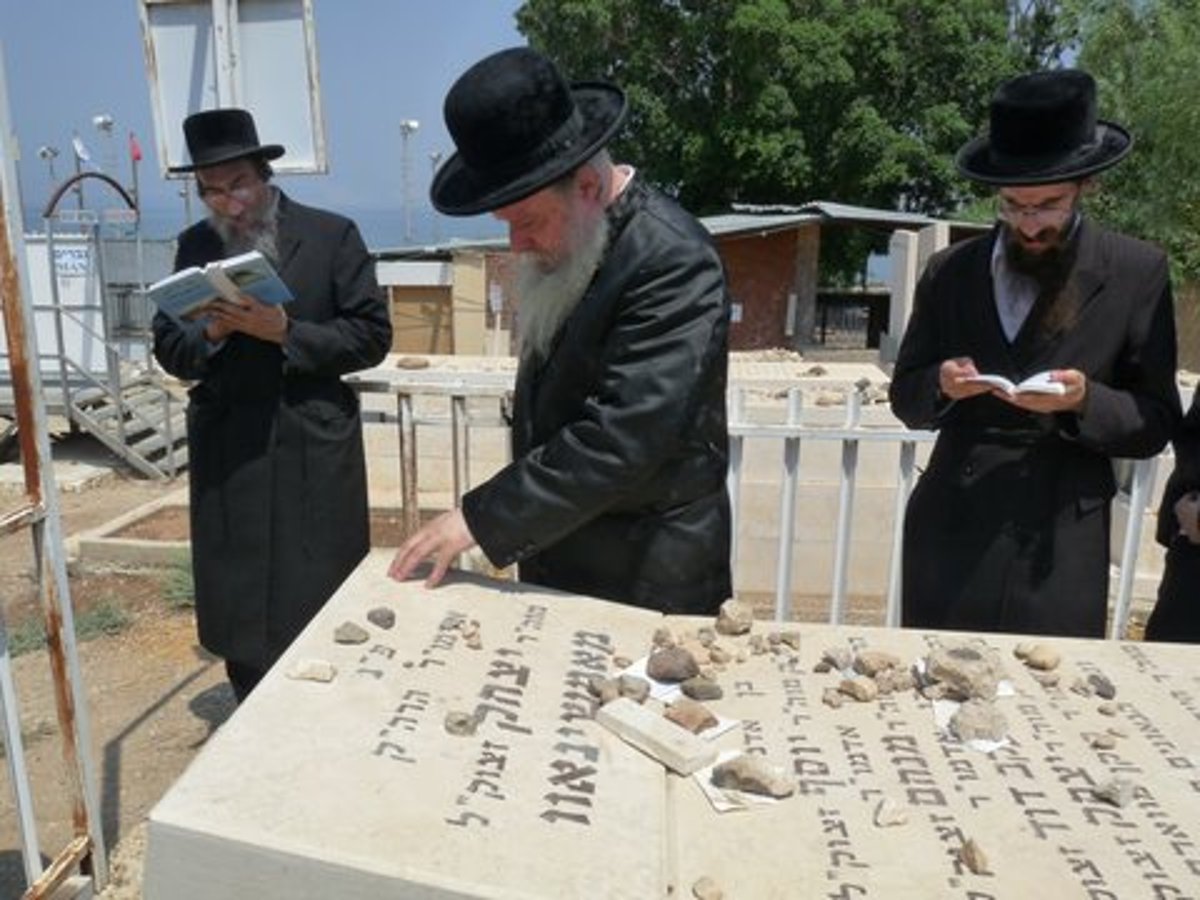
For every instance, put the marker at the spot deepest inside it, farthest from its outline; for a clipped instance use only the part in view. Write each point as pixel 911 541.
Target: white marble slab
pixel 353 789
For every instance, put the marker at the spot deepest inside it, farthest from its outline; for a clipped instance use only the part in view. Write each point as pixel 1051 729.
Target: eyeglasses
pixel 242 193
pixel 1051 212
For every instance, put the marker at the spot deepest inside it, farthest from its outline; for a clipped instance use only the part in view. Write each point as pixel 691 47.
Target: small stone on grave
pixel 752 774
pixel 382 617
pixel 832 697
pixel 839 658
pixel 460 724
pixel 636 689
pixel 1107 709
pixel 859 687
pixel 978 720
pixel 672 665
pixel 663 637
pixel 706 635
pixel 968 670
pixel 350 633
pixel 1103 741
pixel 889 813
pixel 1117 791
pixel 689 714
pixel 735 617
pixel 872 662
pixel 312 670
pixel 1042 657
pixel 707 889
pixel 1104 688
pixel 973 857
pixel 701 688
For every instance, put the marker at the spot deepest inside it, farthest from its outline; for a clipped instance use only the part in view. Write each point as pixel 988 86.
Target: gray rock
pixel 1103 741
pixel 832 697
pixel 460 724
pixel 706 636
pixel 969 671
pixel 636 689
pixel 672 665
pixel 978 720
pixel 735 617
pixel 382 617
pixel 350 633
pixel 701 688
pixel 1116 791
pixel 663 637
pixel 1104 688
pixel 840 658
pixel 1107 709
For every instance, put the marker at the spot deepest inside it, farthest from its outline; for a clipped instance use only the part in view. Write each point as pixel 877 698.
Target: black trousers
pixel 1176 615
pixel 243 678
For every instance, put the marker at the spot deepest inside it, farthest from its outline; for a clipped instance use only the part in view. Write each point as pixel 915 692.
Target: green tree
pixel 1145 56
pixel 788 101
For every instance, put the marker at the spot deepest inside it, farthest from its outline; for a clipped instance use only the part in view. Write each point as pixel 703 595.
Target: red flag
pixel 135 149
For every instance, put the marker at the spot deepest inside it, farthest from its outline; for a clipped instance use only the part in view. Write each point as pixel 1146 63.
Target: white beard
pixel 545 299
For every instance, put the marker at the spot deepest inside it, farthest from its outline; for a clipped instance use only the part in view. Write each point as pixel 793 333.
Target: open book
pixel 187 293
pixel 1034 384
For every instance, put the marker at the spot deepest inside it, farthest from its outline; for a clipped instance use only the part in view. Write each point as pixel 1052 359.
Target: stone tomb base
pixel 355 789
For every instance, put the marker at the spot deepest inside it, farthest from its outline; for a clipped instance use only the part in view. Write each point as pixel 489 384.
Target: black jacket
pixel 1008 528
pixel 278 477
pixel 620 447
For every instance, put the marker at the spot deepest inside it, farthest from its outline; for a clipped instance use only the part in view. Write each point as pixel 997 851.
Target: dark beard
pixel 1050 270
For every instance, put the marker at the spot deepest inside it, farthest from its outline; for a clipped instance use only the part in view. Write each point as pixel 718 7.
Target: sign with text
pixel 455 755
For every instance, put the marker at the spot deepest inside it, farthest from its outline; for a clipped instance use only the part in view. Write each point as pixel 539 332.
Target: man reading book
pixel 1008 528
pixel 278 476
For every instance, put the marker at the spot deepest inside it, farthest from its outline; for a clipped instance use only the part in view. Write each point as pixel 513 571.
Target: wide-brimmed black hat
pixel 518 127
pixel 217 136
pixel 1044 130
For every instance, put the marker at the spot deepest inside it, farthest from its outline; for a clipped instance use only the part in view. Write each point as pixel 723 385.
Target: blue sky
pixel 380 62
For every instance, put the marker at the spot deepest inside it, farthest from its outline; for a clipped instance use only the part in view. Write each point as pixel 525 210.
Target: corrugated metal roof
pixel 745 219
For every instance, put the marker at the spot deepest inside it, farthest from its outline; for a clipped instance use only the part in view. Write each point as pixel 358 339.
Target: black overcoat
pixel 277 472
pixel 1176 615
pixel 620 446
pixel 1008 527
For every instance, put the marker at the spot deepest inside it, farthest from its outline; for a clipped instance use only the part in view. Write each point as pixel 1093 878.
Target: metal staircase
pixel 143 423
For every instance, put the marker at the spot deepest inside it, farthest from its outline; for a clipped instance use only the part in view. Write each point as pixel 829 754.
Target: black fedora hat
pixel 217 136
pixel 1044 130
pixel 518 127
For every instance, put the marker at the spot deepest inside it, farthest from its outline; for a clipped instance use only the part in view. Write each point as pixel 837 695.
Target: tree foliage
pixel 788 101
pixel 1145 56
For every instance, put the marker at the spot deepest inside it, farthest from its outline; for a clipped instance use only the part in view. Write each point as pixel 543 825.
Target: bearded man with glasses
pixel 278 477
pixel 1008 527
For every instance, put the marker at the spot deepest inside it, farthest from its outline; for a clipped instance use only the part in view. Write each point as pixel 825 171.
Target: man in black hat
pixel 278 477
pixel 1008 528
pixel 620 448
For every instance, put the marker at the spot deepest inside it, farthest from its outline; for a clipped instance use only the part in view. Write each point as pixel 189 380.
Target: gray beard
pixel 545 299
pixel 262 236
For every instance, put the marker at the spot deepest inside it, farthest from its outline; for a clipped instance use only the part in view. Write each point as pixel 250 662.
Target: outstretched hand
pixel 442 539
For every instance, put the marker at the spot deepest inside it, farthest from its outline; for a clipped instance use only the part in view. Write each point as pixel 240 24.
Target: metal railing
pixel 791 435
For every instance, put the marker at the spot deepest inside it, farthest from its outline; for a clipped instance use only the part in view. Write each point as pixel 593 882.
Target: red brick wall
pixel 761 272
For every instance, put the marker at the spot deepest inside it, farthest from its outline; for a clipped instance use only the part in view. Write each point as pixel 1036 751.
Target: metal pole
pixel 408 127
